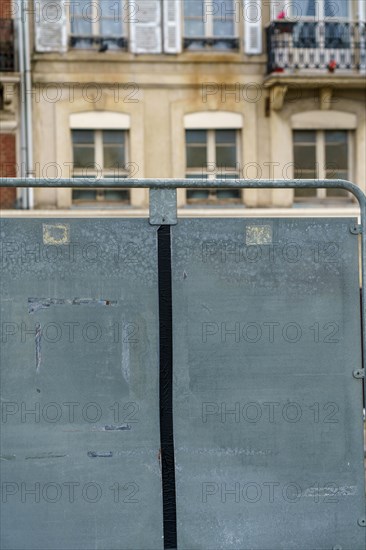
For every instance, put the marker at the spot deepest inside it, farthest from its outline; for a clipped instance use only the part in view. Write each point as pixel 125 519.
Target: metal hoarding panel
pixel 268 427
pixel 79 385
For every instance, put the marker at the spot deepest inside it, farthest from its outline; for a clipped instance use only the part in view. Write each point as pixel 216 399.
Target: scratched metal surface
pixel 79 315
pixel 268 418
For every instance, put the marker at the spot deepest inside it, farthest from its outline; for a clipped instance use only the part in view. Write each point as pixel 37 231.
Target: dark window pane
pixel 84 194
pixel 305 35
pixel 305 157
pixel 198 194
pixel 83 136
pixel 224 194
pixel 83 156
pixel 304 136
pixel 305 193
pixel 225 136
pixel 114 157
pixel 336 136
pixel 302 174
pixel 116 195
pixel 337 35
pixel 226 156
pixel 196 148
pixel 196 136
pixel 336 150
pixel 113 136
pixel 196 156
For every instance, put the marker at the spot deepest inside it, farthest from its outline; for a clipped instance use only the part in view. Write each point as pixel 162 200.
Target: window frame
pixel 96 37
pixel 322 194
pixel 208 40
pixel 99 163
pixel 203 173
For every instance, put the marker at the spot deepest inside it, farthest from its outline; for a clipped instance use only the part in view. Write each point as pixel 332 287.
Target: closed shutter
pixel 362 10
pixel 145 27
pixel 172 26
pixel 50 26
pixel 253 27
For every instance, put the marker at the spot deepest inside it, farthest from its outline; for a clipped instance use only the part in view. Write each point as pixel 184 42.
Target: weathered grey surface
pixel 71 282
pixel 285 471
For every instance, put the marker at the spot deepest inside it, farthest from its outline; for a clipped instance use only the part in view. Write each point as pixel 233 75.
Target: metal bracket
pixel 362 522
pixel 359 373
pixel 163 207
pixel 355 229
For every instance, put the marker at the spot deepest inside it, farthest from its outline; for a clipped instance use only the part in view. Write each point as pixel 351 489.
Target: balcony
pixel 321 47
pixel 7 58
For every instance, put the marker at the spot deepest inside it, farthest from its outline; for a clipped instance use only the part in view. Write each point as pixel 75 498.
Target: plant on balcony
pixel 332 65
pixel 282 25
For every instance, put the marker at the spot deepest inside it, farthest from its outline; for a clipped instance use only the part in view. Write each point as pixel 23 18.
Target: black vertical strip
pixel 166 386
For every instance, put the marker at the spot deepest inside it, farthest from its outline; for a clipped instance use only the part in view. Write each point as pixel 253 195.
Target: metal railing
pixel 7 57
pixel 218 42
pixel 321 45
pixel 102 43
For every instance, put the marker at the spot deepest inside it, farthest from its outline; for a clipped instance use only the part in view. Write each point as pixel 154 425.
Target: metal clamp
pixel 163 207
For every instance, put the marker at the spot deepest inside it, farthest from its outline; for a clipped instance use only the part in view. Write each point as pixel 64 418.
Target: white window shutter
pixel 50 26
pixel 252 27
pixel 145 26
pixel 362 10
pixel 172 26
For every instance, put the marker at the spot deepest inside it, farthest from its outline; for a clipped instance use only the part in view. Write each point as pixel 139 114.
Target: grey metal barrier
pixel 182 383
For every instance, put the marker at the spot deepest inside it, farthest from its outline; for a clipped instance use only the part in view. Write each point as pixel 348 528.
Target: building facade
pixel 196 88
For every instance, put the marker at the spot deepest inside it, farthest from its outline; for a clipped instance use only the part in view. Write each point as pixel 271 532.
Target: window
pixel 321 154
pixel 100 153
pixel 212 154
pixel 209 24
pixel 333 31
pixel 99 23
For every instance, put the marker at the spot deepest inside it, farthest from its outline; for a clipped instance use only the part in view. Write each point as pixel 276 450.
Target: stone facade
pixel 153 95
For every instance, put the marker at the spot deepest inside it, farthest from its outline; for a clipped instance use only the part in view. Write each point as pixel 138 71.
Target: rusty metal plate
pixel 268 426
pixel 79 385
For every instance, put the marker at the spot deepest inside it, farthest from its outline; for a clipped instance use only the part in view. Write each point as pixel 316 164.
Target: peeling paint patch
pixel 38 338
pixel 7 457
pixel 111 428
pixel 36 304
pixel 344 490
pixel 258 234
pixel 95 454
pixel 56 234
pixel 43 456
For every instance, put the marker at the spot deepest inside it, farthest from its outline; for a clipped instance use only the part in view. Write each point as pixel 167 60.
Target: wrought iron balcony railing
pixel 101 43
pixel 326 45
pixel 7 58
pixel 211 42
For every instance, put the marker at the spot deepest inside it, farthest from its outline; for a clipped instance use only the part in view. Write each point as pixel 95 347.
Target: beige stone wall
pixel 161 90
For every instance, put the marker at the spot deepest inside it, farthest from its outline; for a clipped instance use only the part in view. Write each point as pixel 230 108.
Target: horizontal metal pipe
pixel 123 183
